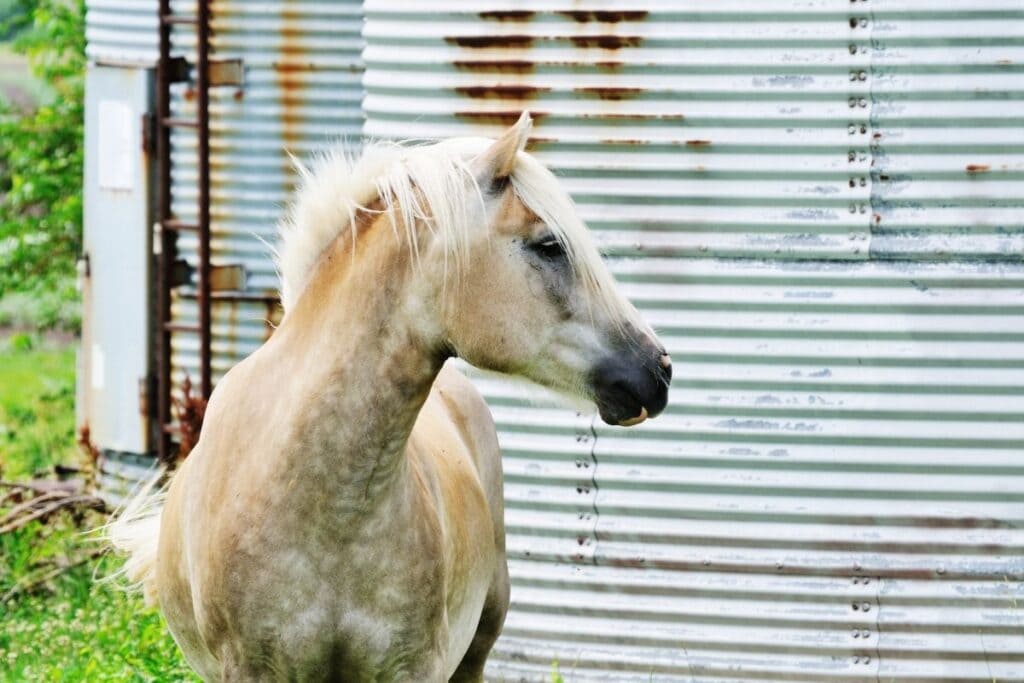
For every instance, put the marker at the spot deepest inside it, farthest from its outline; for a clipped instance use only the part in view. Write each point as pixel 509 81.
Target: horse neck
pixel 368 366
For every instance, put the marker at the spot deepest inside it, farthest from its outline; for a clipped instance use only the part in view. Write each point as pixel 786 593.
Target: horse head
pixel 532 297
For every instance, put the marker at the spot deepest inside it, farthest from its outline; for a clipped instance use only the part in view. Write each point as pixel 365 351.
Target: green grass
pixel 37 394
pixel 70 628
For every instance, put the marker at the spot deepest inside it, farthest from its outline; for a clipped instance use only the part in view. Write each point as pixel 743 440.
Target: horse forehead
pixel 515 217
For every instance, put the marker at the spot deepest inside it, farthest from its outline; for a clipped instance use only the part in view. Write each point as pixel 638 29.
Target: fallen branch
pixel 41 486
pixel 30 504
pixel 35 511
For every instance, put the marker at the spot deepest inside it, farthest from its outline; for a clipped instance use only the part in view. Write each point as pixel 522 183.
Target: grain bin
pixel 819 205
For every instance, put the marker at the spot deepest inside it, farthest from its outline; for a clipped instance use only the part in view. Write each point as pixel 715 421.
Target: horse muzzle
pixel 632 386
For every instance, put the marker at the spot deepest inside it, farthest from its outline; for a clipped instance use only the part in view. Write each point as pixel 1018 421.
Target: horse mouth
pixel 628 392
pixel 621 408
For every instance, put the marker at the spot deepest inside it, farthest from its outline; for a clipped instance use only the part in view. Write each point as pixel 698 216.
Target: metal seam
pixel 593 485
pixel 878 629
pixel 873 207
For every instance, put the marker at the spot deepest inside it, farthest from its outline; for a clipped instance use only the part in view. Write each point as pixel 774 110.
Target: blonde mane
pixel 429 187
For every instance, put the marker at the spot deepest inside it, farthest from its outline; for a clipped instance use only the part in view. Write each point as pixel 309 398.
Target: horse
pixel 341 517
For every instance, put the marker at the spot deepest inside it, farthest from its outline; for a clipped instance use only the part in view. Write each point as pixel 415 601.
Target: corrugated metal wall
pixel 302 93
pixel 819 205
pixel 121 32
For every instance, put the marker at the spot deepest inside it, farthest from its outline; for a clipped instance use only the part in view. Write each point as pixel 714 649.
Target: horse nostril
pixel 666 366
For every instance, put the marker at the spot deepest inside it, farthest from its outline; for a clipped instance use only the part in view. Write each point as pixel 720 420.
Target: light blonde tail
pixel 135 532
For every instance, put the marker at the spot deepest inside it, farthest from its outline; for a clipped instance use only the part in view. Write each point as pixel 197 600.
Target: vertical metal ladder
pixel 171 70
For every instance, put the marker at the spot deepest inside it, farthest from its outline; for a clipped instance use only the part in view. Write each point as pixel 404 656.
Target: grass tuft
pixel 66 627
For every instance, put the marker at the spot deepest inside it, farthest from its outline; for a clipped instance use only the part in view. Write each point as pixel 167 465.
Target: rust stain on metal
pixel 288 78
pixel 501 92
pixel 502 118
pixel 536 142
pixel 606 41
pixel 962 523
pixel 91 452
pixel 978 168
pixel 698 143
pixel 610 92
pixel 606 17
pixel 634 117
pixel 508 15
pixel 623 141
pixel 609 65
pixel 479 42
pixel 502 66
pixel 292 67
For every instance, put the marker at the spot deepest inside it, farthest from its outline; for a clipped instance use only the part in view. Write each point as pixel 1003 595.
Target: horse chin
pixel 622 413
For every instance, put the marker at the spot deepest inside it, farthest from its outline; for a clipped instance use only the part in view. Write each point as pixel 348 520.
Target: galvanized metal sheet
pixel 121 32
pixel 301 94
pixel 818 129
pixel 834 492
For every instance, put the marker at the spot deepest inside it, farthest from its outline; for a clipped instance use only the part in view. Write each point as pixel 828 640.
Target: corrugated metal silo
pixel 819 204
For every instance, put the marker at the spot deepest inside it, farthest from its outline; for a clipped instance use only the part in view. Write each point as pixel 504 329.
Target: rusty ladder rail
pixel 169 227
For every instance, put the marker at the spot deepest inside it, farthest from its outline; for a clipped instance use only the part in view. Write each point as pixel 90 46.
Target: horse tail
pixel 135 532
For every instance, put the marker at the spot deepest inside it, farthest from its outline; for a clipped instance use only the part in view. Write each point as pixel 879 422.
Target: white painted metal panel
pixel 115 351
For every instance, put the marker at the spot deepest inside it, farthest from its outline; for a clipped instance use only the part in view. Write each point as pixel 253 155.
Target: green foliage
pixel 41 155
pixel 53 308
pixel 68 628
pixel 15 15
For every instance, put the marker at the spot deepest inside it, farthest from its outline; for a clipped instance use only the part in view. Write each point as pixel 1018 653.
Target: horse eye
pixel 548 248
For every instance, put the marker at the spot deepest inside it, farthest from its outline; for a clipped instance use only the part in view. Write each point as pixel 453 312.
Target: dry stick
pixel 29 583
pixel 30 504
pixel 35 488
pixel 86 501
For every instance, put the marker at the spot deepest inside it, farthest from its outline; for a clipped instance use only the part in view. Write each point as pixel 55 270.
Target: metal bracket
pixel 222 72
pixel 226 72
pixel 230 277
pixel 178 70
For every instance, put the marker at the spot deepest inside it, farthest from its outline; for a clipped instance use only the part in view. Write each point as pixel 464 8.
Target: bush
pixel 41 154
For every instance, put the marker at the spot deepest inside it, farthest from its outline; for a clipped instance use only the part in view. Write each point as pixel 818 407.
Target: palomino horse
pixel 341 516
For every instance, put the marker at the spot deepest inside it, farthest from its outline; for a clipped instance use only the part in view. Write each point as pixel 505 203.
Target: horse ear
pixel 498 160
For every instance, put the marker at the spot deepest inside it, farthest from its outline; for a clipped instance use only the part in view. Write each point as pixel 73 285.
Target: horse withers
pixel 341 517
